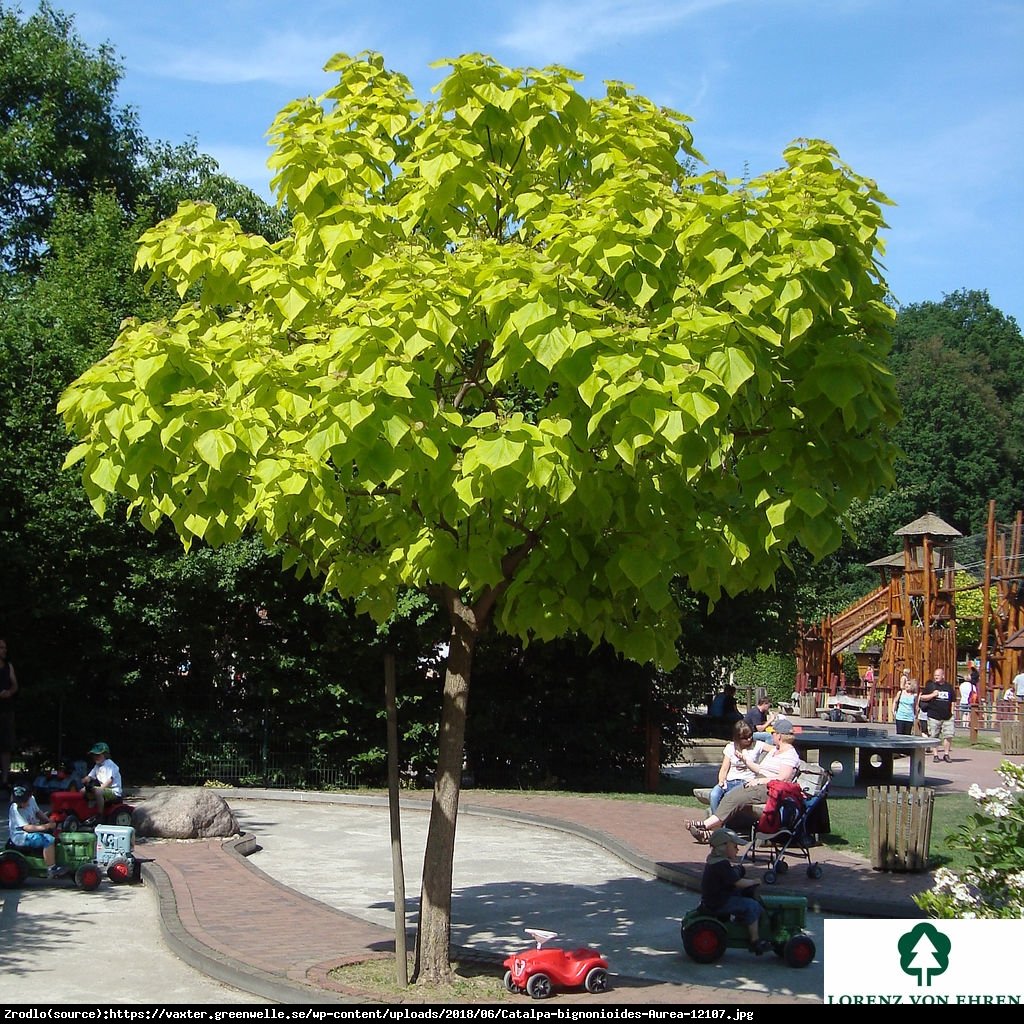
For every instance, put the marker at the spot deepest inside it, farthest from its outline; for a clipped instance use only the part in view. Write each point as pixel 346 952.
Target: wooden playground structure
pixel 917 604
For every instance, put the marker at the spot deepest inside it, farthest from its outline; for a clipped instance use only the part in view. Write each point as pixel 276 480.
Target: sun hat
pixel 721 836
pixel 100 748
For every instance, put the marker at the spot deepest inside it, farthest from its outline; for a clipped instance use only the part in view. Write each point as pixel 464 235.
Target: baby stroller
pixel 798 817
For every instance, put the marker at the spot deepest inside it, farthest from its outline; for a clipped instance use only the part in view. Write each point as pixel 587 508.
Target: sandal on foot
pixel 699 831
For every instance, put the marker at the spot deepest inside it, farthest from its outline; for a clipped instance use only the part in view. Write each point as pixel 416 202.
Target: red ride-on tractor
pixel 71 812
pixel 538 971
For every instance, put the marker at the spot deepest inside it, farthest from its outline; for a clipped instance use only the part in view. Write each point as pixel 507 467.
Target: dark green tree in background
pixel 61 131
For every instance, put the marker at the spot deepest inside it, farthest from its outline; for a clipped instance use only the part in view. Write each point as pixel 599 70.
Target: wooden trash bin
pixel 1011 737
pixel 900 820
pixel 808 705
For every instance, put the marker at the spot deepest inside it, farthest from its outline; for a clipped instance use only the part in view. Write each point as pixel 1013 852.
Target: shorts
pixel 743 908
pixel 36 840
pixel 940 729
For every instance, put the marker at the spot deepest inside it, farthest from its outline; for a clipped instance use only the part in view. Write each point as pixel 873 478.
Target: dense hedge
pixel 775 672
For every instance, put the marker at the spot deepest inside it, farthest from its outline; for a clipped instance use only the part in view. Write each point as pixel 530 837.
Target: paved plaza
pixel 213 925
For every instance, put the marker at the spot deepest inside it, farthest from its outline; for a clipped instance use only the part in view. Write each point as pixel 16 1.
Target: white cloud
pixel 550 32
pixel 282 59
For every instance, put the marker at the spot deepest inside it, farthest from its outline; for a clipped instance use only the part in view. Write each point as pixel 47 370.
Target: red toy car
pixel 70 811
pixel 538 970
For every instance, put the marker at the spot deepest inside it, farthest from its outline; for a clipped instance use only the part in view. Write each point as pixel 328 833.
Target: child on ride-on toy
pixel 31 829
pixel 103 783
pixel 724 890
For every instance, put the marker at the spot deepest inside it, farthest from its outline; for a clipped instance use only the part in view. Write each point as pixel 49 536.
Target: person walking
pixel 938 700
pixel 904 707
pixel 965 699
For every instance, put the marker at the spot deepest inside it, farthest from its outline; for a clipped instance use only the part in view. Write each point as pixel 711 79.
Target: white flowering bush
pixel 994 884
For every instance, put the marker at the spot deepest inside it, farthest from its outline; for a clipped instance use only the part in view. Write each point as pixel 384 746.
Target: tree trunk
pixel 433 938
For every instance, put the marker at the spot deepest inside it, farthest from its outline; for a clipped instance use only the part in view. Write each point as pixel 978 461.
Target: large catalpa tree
pixel 513 353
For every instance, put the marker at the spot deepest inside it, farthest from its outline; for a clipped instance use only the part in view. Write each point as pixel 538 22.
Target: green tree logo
pixel 924 951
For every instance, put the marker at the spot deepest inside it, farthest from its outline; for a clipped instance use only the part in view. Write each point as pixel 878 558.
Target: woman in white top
pixel 734 771
pixel 781 765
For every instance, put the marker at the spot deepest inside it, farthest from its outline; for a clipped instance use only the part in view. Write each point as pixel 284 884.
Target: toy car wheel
pixel 70 823
pixel 781 868
pixel 539 986
pixel 123 818
pixel 597 980
pixel 119 871
pixel 705 941
pixel 814 871
pixel 13 871
pixel 769 877
pixel 509 983
pixel 799 951
pixel 88 877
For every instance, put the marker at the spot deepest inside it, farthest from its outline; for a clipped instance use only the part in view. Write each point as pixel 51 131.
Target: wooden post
pixel 397 870
pixel 929 668
pixel 986 608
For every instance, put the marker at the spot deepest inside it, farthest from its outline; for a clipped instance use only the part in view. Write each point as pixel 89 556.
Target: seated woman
pixel 781 764
pixel 734 771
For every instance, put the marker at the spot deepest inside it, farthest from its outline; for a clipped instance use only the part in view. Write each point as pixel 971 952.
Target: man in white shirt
pixel 1018 685
pixel 103 783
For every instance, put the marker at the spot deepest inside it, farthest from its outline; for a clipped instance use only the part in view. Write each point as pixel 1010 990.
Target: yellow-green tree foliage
pixel 510 317
pixel 514 353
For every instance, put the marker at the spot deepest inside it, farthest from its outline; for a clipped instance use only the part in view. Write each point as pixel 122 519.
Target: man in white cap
pixel 723 886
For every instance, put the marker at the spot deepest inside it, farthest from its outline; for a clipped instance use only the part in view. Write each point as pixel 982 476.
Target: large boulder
pixel 185 814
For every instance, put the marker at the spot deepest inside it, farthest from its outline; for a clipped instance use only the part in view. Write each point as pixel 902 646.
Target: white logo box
pixel 923 962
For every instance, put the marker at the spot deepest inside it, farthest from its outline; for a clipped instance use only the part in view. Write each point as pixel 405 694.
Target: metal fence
pixel 250 765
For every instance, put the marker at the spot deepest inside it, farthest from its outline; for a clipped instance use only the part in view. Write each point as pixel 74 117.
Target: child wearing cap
pixel 722 886
pixel 103 783
pixel 30 829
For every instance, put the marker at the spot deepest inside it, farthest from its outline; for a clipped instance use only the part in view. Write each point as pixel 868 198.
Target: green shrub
pixel 775 672
pixel 993 884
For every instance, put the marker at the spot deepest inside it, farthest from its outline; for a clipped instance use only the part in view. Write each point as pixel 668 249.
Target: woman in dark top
pixel 8 689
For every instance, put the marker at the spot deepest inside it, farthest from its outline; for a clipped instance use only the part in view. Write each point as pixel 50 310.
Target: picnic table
pixel 877 750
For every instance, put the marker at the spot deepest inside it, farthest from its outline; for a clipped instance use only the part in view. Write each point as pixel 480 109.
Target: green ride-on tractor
pixel 706 935
pixel 76 853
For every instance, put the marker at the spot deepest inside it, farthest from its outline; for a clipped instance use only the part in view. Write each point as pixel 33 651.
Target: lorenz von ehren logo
pixel 923 962
pixel 924 952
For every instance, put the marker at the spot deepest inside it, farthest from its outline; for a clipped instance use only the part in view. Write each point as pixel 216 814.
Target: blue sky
pixel 924 96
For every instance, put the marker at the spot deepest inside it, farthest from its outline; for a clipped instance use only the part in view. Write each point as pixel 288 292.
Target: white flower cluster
pixel 986 892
